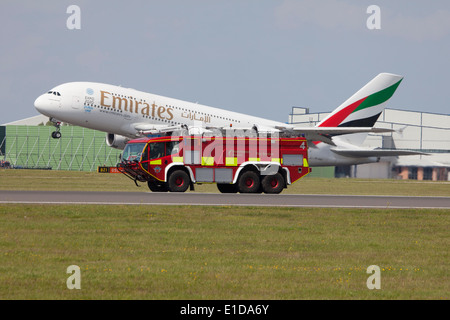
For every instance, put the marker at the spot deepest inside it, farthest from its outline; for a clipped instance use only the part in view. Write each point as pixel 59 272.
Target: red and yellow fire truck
pixel 236 164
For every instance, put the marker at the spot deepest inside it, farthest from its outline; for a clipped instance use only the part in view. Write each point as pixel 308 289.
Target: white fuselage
pixel 117 110
pixel 120 111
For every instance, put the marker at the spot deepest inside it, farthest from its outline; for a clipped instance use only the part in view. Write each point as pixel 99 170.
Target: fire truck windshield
pixel 132 151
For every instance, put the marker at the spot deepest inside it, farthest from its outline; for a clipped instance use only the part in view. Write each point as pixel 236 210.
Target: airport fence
pixel 32 147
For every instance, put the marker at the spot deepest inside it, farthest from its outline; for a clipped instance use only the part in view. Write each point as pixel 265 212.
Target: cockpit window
pixel 55 93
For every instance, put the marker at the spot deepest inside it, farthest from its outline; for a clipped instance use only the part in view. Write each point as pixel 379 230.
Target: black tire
pixel 227 188
pixel 56 135
pixel 249 182
pixel 178 181
pixel 273 183
pixel 157 186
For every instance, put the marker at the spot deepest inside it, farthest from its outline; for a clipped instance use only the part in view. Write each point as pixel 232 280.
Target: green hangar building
pixel 28 144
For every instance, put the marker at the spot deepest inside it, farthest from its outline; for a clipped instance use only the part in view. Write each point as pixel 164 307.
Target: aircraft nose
pixel 41 104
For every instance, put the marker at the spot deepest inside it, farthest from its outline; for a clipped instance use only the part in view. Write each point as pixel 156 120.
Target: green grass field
pixel 74 180
pixel 220 252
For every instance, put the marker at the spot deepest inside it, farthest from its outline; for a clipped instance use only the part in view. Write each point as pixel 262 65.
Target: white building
pixel 420 131
pixel 32 121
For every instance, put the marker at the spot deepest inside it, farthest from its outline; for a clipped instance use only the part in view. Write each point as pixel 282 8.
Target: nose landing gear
pixel 56 134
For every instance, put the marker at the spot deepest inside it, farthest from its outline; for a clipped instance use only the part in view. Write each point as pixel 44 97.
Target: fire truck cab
pixel 236 164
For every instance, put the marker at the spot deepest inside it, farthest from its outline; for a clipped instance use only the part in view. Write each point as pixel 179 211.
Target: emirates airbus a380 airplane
pixel 125 114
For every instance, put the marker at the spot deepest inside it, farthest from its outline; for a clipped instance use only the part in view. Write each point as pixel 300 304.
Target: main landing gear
pixel 57 124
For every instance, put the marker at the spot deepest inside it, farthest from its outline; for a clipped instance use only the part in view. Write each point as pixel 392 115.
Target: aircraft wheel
pixel 273 183
pixel 56 135
pixel 179 181
pixel 157 186
pixel 227 188
pixel 249 182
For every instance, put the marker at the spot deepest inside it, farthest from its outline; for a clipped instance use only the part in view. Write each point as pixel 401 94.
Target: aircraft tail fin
pixel 364 107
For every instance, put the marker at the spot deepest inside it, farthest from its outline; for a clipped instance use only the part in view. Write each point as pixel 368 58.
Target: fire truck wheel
pixel 178 181
pixel 157 186
pixel 227 188
pixel 273 183
pixel 249 182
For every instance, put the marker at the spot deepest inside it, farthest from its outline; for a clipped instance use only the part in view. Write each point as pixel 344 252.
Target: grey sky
pixel 258 57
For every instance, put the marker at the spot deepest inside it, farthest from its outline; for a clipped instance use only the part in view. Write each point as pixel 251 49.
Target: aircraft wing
pixel 364 153
pixel 310 133
pixel 325 134
pixel 147 128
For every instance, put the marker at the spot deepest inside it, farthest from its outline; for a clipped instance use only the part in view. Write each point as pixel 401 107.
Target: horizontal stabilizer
pixel 364 153
pixel 339 130
pixel 325 134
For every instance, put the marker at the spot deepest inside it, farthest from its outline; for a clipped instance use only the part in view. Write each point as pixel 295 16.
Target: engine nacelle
pixel 116 141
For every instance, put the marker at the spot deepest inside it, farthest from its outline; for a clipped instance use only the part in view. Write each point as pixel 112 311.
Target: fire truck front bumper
pixel 133 171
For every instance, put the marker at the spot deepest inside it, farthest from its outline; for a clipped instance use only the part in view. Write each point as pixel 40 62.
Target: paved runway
pixel 191 198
